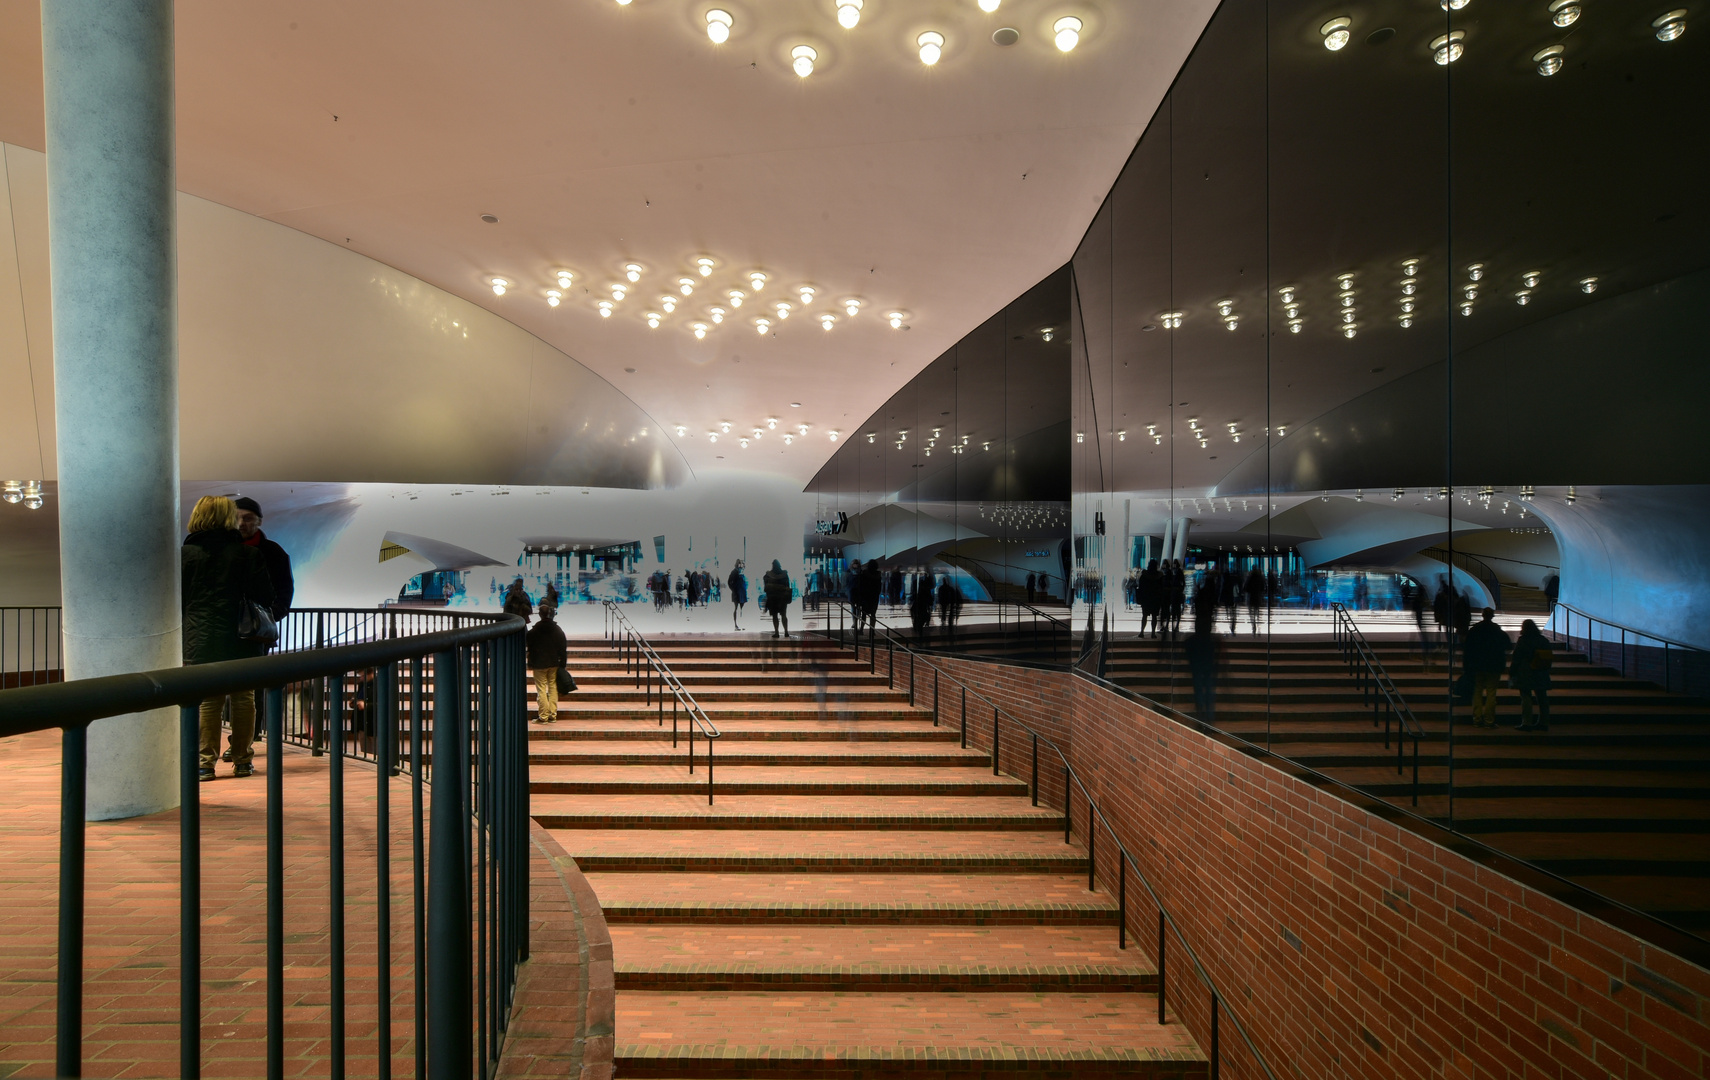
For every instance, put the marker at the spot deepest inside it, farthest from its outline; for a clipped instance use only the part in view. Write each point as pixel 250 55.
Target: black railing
pixel 1673 665
pixel 1219 1002
pixel 1473 565
pixel 1378 690
pixel 31 650
pixel 463 729
pixel 658 677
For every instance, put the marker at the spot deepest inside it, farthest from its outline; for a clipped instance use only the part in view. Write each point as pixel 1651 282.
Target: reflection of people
pixel 920 611
pixel 220 575
pixel 1530 674
pixel 547 652
pixel 1201 648
pixel 1486 653
pixel 776 584
pixel 1032 582
pixel 738 593
pixel 949 606
pixel 517 602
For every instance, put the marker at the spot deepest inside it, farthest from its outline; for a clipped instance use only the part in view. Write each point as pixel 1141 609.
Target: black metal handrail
pixel 1562 616
pixel 31 645
pixel 467 947
pixel 1473 565
pixel 635 648
pixel 1125 860
pixel 1377 689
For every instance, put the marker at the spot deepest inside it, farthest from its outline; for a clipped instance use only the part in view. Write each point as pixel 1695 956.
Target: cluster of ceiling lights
pixel 684 286
pixel 1409 299
pixel 757 432
pixel 1065 33
pixel 1347 314
pixel 28 492
pixel 1449 47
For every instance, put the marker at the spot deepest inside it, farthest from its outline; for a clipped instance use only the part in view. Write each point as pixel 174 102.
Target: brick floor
pixel 865 900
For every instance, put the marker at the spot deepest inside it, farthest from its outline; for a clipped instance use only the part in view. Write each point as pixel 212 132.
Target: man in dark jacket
pixel 220 577
pixel 517 602
pixel 1486 653
pixel 775 584
pixel 547 652
pixel 277 559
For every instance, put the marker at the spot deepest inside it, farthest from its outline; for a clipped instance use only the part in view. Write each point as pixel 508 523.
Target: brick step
pixel 831 850
pixel 1089 947
pixel 731 730
pixel 1517 784
pixel 696 680
pixel 786 812
pixel 1478 815
pixel 802 696
pixel 833 913
pixel 786 755
pixel 886 978
pixel 1559 735
pixel 1518 753
pixel 675 1034
pixel 718 711
pixel 1347 698
pixel 731 779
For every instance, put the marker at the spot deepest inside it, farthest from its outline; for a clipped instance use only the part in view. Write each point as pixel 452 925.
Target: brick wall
pixel 1350 946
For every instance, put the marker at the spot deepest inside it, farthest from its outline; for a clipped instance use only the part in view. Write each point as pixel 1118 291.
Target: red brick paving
pixel 837 934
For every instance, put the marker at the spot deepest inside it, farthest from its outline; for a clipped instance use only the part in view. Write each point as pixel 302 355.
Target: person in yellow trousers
pixel 547 652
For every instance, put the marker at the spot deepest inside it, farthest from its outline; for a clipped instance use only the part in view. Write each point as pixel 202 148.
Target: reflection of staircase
pixel 864 897
pixel 1616 795
pixel 1519 600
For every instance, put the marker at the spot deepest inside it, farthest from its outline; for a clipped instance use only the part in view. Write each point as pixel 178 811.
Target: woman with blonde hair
pixel 221 576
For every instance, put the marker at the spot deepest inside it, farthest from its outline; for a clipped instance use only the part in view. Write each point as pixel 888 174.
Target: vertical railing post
pixel 911 680
pixel 448 999
pixel 1121 899
pixel 73 803
pixel 1068 813
pixel 418 865
pixel 189 895
pixel 1163 980
pixel 1092 846
pixel 275 706
pixel 335 871
pixel 1214 1050
pixel 386 693
pixel 1034 785
pixel 994 740
pixel 964 717
pixel 934 697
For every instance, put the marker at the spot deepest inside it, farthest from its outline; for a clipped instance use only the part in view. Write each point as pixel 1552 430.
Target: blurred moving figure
pixel 949 607
pixel 776 585
pixel 517 602
pixel 738 594
pixel 920 612
pixel 1529 672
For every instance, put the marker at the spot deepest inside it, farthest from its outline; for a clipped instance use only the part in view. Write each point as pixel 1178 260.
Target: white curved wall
pixel 300 360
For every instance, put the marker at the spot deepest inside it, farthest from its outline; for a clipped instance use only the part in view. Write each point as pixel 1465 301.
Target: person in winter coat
pixel 920 611
pixel 547 652
pixel 1486 652
pixel 220 577
pixel 738 583
pixel 949 606
pixel 776 584
pixel 277 559
pixel 872 587
pixel 517 602
pixel 1529 671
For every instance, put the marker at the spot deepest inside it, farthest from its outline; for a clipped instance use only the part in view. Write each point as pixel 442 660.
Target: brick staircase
pixel 1615 796
pixel 863 898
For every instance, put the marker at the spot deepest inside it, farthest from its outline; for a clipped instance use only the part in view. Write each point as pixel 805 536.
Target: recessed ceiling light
pixel 736 296
pixel 1588 285
pixel 807 292
pixel 989 6
pixel 1670 26
pixel 782 308
pixel 1447 49
pixel 632 271
pixel 700 330
pixel 491 219
pixel 668 302
pixel 762 326
pixel 1067 31
pixel 848 13
pixel 802 58
pixel 827 320
pixel 565 277
pixel 851 306
pixel 1005 36
pixel 718 25
pixel 896 318
pixel 554 297
pixel 605 307
pixel 1549 60
pixel 1336 33
pixel 705 266
pixel 1564 12
pixel 757 280
pixel 619 290
pixel 499 286
pixel 931 47
pixel 653 318
pixel 716 314
pixel 686 285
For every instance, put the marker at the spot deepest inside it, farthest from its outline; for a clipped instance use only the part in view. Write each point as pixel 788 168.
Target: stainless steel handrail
pixel 623 634
pixel 1125 861
pixel 1625 634
pixel 1355 647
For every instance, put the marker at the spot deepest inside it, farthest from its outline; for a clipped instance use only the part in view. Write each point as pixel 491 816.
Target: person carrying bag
pixel 226 599
pixel 548 652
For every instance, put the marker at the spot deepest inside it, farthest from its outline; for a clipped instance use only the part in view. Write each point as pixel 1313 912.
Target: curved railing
pixel 1377 689
pixel 466 733
pixel 1125 861
pixel 636 650
pixel 1635 653
pixel 1473 565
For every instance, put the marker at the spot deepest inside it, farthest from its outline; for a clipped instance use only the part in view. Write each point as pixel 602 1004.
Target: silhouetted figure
pixel 1175 596
pixel 1255 589
pixel 870 585
pixel 1486 654
pixel 1416 604
pixel 1463 617
pixel 920 611
pixel 1149 592
pixel 1032 583
pixel 517 602
pixel 1529 671
pixel 1201 648
pixel 1226 584
pixel 776 585
pixel 949 607
pixel 738 583
pixel 1044 586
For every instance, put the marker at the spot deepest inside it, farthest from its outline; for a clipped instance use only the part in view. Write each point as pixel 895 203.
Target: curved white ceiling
pixel 600 133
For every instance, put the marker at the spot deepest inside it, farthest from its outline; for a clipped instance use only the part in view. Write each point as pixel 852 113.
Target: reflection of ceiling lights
pixel 802 58
pixel 1171 319
pixel 554 298
pixel 499 286
pixel 681 430
pixel 724 426
pixel 1466 308
pixel 1406 321
pixel 1410 267
pixel 1067 31
pixel 653 318
pixel 1531 278
pixel 700 330
pixel 716 314
pixel 705 266
pixel 718 26
pixel 1588 285
pixel 1350 330
pixel 833 435
pixel 1549 60
pixel 1448 48
pixel 605 307
pixel 772 423
pixel 931 47
pixel 806 292
pixel 632 271
pixel 1453 5
pixel 565 277
pixel 685 285
pixel 1670 26
pixel 1523 297
pixel 744 443
pixel 762 326
pixel 712 436
pixel 1475 271
pixel 1336 33
pixel 1564 12
pixel 828 320
pixel 848 13
pixel 1286 294
pixel 1048 333
pixel 13 492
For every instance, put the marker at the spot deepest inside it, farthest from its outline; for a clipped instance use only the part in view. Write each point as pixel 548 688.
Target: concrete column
pixel 1181 540
pixel 1168 545
pixel 108 82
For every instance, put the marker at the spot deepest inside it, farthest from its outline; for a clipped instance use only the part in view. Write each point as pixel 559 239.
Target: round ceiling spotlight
pixel 618 290
pixel 1005 36
pixel 782 307
pixel 989 6
pixel 931 47
pixel 632 271
pixel 716 314
pixel 756 280
pixel 1450 47
pixel 828 320
pixel 565 277
pixel 802 58
pixel 668 302
pixel 848 13
pixel 653 318
pixel 1068 32
pixel 605 307
pixel 763 326
pixel 686 285
pixel 1336 33
pixel 554 298
pixel 705 265
pixel 807 293
pixel 851 306
pixel 1670 26
pixel 718 25
pixel 736 297
pixel 499 286
pixel 897 319
pixel 1549 60
pixel 700 329
pixel 1564 12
